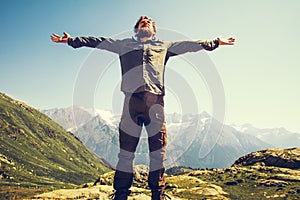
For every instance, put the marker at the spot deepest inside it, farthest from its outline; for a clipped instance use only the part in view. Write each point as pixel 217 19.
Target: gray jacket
pixel 143 63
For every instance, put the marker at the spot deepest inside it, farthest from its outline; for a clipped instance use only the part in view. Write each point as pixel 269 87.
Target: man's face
pixel 145 28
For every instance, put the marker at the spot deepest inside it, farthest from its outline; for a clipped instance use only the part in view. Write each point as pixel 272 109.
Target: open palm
pixel 228 41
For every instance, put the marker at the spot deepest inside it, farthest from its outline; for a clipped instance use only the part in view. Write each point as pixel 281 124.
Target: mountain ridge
pixel 102 138
pixel 277 137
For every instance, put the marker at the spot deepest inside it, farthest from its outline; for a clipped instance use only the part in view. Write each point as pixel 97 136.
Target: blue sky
pixel 260 74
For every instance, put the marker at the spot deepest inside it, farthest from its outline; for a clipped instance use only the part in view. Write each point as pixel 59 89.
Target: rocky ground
pixel 93 192
pixel 268 174
pixel 104 192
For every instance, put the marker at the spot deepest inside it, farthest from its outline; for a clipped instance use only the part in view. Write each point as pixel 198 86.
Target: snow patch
pixel 259 136
pixel 205 119
pixel 240 128
pixel 107 116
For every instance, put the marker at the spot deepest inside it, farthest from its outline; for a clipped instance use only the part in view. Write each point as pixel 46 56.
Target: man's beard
pixel 144 32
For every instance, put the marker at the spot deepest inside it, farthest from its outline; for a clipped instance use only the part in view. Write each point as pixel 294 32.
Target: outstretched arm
pixel 108 44
pixel 181 47
pixel 60 39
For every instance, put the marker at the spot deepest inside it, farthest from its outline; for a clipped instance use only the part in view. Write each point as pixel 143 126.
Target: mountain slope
pixel 37 152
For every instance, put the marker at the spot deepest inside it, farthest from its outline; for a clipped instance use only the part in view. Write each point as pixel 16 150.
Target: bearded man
pixel 143 60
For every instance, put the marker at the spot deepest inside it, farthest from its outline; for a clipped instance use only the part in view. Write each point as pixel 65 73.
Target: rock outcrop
pixel 286 158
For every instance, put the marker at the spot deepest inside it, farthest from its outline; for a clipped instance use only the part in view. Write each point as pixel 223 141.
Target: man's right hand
pixel 60 39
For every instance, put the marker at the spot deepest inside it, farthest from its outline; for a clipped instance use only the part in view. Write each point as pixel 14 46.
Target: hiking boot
pixel 120 195
pixel 159 195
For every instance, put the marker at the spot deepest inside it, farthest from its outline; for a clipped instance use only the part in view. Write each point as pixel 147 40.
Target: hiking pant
pixel 142 109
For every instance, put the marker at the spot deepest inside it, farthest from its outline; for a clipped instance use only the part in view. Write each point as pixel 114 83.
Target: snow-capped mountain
pixel 194 140
pixel 277 137
pixel 210 144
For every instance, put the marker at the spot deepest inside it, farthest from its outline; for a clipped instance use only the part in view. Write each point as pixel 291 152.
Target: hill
pixel 38 154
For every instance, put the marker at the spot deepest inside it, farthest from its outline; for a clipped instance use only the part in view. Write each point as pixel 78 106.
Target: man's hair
pixel 141 18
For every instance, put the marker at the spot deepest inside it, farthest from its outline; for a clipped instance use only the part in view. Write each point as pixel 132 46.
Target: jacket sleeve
pixel 182 47
pixel 108 44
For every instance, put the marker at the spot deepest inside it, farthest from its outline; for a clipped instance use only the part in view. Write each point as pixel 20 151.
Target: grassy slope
pixel 238 182
pixel 254 181
pixel 35 152
pixel 245 183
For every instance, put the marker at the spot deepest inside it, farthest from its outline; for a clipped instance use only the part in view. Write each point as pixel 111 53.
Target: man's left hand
pixel 224 41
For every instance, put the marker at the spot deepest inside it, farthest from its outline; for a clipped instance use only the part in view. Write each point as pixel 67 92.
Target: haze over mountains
pixel 187 137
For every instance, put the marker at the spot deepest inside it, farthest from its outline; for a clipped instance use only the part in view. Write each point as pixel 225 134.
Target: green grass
pixel 247 186
pixel 37 154
pixel 15 192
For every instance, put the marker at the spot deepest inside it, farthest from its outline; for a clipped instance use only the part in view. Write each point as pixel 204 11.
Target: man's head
pixel 145 27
